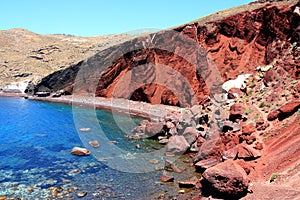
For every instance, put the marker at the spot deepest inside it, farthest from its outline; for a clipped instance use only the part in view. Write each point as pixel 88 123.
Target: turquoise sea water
pixel 35 143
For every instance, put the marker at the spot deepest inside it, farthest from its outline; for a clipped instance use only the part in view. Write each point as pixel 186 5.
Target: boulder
pixel 245 165
pixel 154 128
pixel 273 115
pixel 202 165
pixel 258 146
pixel 237 109
pixel 226 179
pixel 196 109
pixel 230 154
pixel 247 152
pixel 80 151
pixel 170 125
pixel 270 76
pixel 248 129
pixel 290 107
pixel 177 144
pixel 190 134
pixel 236 112
pixel 285 110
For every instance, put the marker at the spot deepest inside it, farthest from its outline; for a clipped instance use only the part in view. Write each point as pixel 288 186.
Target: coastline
pixel 135 108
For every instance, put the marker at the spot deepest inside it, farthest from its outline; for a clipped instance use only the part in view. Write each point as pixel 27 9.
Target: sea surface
pixel 35 160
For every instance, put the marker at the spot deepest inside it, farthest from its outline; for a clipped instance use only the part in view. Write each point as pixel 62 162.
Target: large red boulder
pixel 273 115
pixel 237 109
pixel 248 129
pixel 285 110
pixel 226 179
pixel 290 107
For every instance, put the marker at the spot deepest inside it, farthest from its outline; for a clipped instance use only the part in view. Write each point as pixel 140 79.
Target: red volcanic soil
pixel 205 52
pixel 281 156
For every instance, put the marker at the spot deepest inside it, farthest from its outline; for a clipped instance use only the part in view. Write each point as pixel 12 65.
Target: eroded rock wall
pixel 232 45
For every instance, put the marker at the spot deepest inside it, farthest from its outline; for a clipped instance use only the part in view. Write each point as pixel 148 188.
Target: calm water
pixel 36 139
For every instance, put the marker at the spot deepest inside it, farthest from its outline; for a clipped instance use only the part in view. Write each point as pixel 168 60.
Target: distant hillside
pixel 25 55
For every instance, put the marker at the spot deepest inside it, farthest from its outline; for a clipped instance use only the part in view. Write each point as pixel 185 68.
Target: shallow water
pixel 36 139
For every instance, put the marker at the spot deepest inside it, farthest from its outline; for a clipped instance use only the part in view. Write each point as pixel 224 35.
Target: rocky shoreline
pixel 223 138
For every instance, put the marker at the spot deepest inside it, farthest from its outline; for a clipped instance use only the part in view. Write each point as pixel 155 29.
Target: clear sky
pixel 102 17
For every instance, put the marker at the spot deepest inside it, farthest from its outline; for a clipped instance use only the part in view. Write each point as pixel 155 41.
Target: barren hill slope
pixel 25 55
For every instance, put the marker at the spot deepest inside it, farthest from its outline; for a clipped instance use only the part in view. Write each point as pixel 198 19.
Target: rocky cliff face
pixel 184 65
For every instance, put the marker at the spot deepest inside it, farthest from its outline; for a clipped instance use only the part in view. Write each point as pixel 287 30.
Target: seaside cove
pixel 36 140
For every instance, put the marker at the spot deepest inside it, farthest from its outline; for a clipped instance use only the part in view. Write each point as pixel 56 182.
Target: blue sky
pixel 102 17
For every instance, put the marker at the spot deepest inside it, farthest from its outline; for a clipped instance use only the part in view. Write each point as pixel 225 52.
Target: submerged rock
pixel 170 166
pixel 82 193
pixel 94 143
pixel 85 129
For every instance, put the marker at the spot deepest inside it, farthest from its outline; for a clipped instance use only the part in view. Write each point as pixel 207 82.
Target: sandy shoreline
pixel 140 109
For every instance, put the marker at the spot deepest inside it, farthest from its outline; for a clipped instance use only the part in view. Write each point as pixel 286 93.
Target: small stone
pixel 169 154
pixel 181 191
pixel 170 166
pixel 159 168
pixel 82 193
pixel 30 189
pixel 94 143
pixel 188 183
pixel 85 129
pixel 165 177
pixel 258 146
pixel 3 197
pixel 75 171
pixel 138 146
pixel 163 141
pixel 154 161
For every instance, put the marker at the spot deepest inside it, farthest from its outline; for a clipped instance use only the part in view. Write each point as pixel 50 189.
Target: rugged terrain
pixel 25 55
pixel 243 134
pixel 231 42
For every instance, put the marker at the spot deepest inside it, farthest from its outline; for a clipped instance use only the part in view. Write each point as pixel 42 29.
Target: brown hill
pixel 25 55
